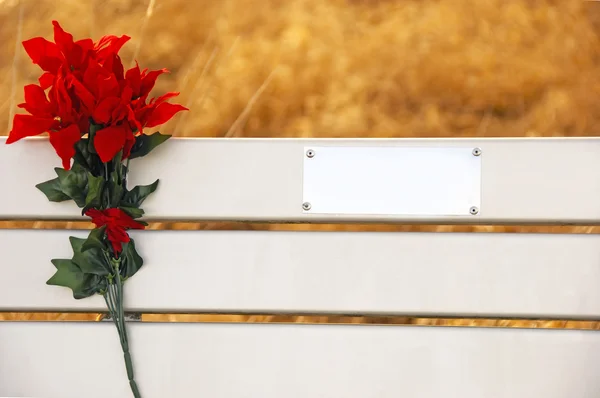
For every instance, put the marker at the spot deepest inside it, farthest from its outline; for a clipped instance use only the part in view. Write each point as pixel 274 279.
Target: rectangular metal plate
pixel 392 180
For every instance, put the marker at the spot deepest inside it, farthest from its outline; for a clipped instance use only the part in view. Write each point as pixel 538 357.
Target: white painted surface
pixel 543 180
pixel 408 273
pixel 67 360
pixel 397 181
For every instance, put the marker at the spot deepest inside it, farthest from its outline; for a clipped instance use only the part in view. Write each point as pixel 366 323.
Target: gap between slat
pixel 242 226
pixel 324 319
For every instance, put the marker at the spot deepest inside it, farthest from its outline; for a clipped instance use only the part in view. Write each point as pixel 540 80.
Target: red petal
pixel 46 80
pixel 163 112
pixel 120 113
pixel 64 142
pixel 149 80
pixel 38 47
pixel 113 64
pixel 123 219
pixel 63 40
pixel 129 142
pixel 130 223
pixel 103 112
pixel 83 123
pixel 82 93
pixel 134 78
pixel 141 114
pixel 36 102
pixel 36 96
pixel 126 95
pixel 114 212
pixel 117 236
pixel 74 54
pixel 59 96
pixel 28 126
pixel 108 87
pixel 44 53
pixel 108 45
pixel 27 107
pixel 85 44
pixel 116 221
pixel 163 98
pixel 109 141
pixel 103 42
pixel 133 121
pixel 97 217
pixel 91 77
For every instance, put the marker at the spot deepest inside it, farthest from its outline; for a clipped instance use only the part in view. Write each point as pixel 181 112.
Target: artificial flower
pixel 116 222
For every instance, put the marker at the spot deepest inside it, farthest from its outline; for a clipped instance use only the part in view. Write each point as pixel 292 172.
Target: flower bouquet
pixel 95 112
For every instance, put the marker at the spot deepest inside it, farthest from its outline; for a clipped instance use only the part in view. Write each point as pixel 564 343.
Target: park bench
pixel 545 181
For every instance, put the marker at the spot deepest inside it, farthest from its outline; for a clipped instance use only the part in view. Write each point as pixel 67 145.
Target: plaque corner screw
pixel 306 206
pixel 476 152
pixel 310 153
pixel 474 210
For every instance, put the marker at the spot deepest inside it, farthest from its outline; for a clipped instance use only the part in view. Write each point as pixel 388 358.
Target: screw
pixel 476 152
pixel 310 154
pixel 306 206
pixel 474 210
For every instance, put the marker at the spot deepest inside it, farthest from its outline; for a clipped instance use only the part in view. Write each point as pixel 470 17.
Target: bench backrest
pixel 419 181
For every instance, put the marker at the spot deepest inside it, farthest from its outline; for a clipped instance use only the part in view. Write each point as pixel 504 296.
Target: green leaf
pixel 118 159
pixel 68 274
pixel 90 285
pixel 138 194
pixel 133 212
pixel 87 159
pixel 95 240
pixel 53 190
pixel 116 189
pixel 94 193
pixel 144 144
pixel 131 261
pixel 90 261
pixel 74 183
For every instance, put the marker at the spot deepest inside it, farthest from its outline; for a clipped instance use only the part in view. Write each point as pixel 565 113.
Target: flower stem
pixel 125 174
pixel 114 302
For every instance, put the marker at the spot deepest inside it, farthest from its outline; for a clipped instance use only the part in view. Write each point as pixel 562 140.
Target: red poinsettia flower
pixel 158 111
pixel 69 54
pixel 88 84
pixel 117 222
pixel 142 82
pixel 116 114
pixel 57 116
pixel 125 114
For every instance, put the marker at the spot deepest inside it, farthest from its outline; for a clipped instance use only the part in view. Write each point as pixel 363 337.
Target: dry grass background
pixel 342 68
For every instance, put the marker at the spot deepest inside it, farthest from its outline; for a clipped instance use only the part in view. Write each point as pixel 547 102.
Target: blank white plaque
pixel 392 180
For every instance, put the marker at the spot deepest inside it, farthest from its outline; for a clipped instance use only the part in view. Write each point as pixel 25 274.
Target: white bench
pixel 516 181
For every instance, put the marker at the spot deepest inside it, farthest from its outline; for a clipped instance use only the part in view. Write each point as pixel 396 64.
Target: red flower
pixel 126 113
pixel 70 55
pixel 117 222
pixel 116 114
pixel 158 111
pixel 143 82
pixel 88 84
pixel 57 117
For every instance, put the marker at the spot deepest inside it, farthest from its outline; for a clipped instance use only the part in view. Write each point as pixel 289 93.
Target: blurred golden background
pixel 341 68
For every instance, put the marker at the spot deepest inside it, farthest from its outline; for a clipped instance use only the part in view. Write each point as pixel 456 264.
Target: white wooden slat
pixel 54 360
pixel 529 275
pixel 542 180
